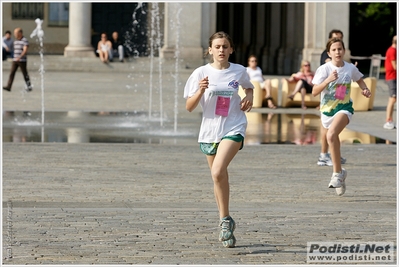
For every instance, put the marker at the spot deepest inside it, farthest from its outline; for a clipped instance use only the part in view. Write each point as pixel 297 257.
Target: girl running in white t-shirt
pixel 215 87
pixel 333 81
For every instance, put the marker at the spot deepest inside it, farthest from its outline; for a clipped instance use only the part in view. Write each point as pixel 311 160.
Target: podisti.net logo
pixel 349 252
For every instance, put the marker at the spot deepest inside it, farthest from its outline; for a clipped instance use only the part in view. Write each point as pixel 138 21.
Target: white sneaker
pixel 341 190
pixel 338 179
pixel 326 160
pixel 389 125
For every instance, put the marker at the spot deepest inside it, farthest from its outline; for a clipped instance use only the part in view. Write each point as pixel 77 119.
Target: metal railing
pixel 375 64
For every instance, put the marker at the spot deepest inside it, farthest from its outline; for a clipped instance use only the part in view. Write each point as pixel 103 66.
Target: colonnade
pixel 281 34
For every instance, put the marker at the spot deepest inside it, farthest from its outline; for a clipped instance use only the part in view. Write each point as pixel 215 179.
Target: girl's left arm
pixel 365 91
pixel 247 101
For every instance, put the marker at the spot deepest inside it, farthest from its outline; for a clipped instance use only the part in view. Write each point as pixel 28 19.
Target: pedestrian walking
pixel 333 81
pixel 215 87
pixel 21 45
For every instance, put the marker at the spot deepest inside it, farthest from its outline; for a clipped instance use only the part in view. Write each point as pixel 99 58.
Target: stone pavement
pixel 154 204
pixel 143 204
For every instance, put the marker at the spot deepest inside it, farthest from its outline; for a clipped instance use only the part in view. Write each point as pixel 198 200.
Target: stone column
pixel 244 45
pixel 208 23
pixel 274 37
pixel 290 51
pixel 79 31
pixel 320 19
pixel 261 23
pixel 183 23
pixel 208 26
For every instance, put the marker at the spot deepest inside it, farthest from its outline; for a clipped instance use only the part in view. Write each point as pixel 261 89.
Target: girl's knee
pixel 217 174
pixel 331 136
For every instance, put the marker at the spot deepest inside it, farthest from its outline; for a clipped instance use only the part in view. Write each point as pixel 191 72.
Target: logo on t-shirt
pixel 234 84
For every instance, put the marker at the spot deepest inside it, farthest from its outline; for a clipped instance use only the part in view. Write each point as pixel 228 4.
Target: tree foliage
pixel 372 26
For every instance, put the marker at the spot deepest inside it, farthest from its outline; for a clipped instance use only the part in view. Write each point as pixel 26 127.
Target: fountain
pixel 80 125
pixel 152 34
pixel 155 48
pixel 38 32
pixel 130 34
pixel 177 58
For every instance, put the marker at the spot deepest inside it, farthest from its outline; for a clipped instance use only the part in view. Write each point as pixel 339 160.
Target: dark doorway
pixel 128 19
pixel 273 32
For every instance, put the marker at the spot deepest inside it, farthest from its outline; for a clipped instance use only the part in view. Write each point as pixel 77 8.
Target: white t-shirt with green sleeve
pixel 336 95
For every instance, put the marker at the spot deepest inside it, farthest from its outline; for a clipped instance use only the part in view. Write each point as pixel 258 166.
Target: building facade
pixel 280 34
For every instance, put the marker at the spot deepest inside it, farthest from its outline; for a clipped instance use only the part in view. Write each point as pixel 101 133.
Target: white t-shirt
pixel 223 85
pixel 255 75
pixel 330 103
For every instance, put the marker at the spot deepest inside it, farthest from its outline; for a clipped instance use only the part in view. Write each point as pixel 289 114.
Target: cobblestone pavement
pixel 154 204
pixel 99 203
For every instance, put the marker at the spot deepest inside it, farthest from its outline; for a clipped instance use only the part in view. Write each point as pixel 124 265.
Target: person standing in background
pixel 324 58
pixel 390 78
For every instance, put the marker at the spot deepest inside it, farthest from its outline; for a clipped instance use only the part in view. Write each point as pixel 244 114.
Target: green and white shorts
pixel 211 148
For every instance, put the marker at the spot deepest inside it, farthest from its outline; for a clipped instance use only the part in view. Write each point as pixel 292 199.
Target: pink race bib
pixel 222 106
pixel 340 92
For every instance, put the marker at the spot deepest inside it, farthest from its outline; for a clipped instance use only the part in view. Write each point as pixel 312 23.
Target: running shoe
pixel 227 225
pixel 341 190
pixel 338 179
pixel 326 160
pixel 389 125
pixel 231 243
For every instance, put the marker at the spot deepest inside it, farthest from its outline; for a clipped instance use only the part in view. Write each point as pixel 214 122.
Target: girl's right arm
pixel 318 88
pixel 192 101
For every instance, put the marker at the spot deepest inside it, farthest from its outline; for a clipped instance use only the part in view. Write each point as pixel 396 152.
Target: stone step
pixel 140 64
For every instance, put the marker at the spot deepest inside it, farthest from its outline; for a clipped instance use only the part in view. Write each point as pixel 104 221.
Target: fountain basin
pixel 137 127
